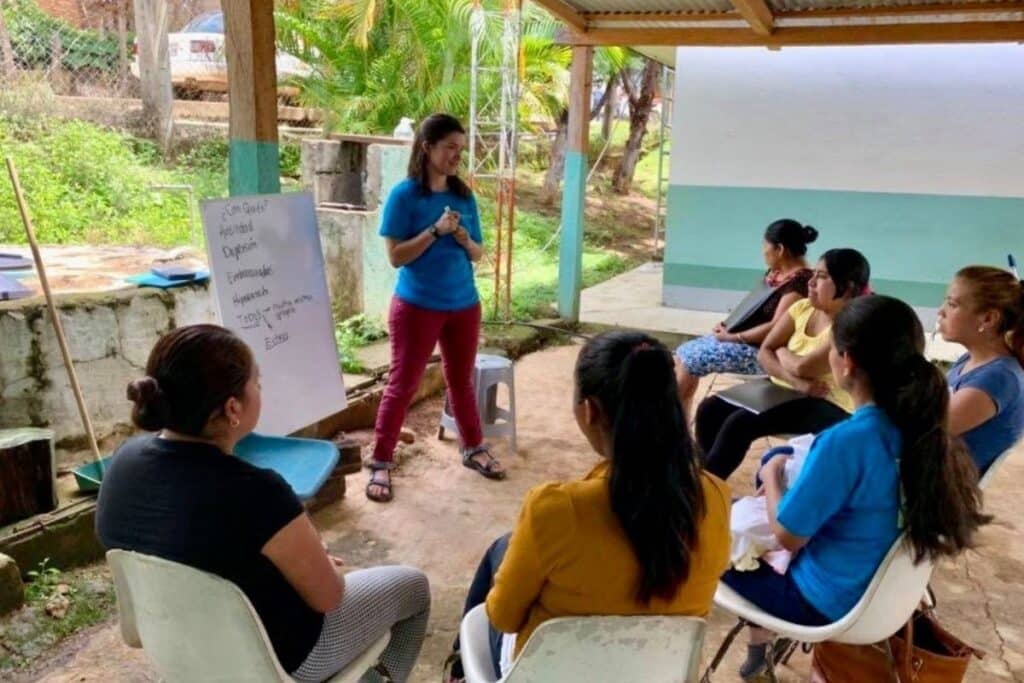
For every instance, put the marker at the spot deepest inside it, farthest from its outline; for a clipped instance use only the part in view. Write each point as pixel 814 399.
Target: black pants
pixel 725 432
pixel 478 590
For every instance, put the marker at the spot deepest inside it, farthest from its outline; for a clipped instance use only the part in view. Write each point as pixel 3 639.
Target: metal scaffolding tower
pixel 668 80
pixel 493 126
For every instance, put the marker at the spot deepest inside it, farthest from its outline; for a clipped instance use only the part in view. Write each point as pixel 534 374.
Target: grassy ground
pixel 86 184
pixel 58 604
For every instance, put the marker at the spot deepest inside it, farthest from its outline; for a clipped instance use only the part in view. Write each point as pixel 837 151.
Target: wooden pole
pixel 6 51
pixel 122 46
pixel 253 164
pixel 57 327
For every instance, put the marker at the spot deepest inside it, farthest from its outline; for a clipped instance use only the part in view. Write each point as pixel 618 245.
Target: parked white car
pixel 198 61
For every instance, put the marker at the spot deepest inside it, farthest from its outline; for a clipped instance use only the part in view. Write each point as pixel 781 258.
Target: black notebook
pixel 759 395
pixel 739 317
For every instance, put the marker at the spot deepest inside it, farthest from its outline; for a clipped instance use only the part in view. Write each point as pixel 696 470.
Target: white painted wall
pixel 937 119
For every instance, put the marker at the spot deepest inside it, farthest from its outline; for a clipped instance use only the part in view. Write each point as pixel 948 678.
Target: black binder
pixel 759 395
pixel 739 317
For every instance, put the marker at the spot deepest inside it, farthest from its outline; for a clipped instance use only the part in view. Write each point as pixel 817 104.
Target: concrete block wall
pixel 109 334
pixel 360 173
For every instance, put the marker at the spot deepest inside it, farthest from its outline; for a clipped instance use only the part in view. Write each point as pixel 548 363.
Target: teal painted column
pixel 574 190
pixel 253 163
pixel 570 250
pixel 253 167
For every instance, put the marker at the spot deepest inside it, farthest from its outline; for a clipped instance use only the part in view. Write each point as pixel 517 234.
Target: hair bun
pixel 810 233
pixel 143 390
pixel 151 407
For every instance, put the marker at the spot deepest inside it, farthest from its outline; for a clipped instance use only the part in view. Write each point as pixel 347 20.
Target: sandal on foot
pixel 379 497
pixel 487 469
pixel 451 670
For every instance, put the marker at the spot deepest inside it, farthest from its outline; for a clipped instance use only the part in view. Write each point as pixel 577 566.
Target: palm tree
pixel 375 61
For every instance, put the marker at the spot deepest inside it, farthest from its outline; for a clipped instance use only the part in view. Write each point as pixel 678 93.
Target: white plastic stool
pixel 488 374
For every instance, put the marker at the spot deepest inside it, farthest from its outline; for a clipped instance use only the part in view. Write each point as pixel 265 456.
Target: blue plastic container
pixel 304 463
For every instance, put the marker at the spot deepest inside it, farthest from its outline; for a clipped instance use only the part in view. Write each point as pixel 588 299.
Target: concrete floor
pixel 444 516
pixel 633 299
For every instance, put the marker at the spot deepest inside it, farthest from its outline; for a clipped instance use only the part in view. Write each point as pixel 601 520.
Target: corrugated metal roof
pixel 804 5
pixel 634 6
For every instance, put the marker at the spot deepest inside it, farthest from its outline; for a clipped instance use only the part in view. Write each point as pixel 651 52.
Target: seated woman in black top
pixel 182 496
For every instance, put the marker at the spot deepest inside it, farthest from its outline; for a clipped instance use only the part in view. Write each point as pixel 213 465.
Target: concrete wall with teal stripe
pixel 914 242
pixel 912 154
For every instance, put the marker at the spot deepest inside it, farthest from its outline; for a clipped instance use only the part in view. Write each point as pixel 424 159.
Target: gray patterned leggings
pixel 376 600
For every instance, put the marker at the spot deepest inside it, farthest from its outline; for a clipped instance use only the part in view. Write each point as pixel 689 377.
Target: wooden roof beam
pixel 936 9
pixel 566 12
pixel 757 14
pixel 791 36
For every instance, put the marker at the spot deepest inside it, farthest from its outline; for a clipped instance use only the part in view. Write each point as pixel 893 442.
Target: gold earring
pixel 234 423
pixel 981 328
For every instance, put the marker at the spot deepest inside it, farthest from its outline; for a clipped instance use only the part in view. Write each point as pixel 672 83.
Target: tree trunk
pixel 6 51
pixel 640 105
pixel 556 168
pixel 151 23
pixel 122 46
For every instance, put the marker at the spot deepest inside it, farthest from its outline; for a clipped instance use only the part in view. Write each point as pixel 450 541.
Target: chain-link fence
pixel 77 47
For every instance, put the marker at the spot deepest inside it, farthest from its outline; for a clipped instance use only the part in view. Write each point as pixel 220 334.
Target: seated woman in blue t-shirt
pixel 180 494
pixel 984 311
pixel 843 512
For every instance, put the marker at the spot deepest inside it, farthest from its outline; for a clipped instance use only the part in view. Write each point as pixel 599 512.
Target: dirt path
pixel 444 516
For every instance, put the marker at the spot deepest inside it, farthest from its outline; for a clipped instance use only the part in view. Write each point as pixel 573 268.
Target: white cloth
pixel 752 538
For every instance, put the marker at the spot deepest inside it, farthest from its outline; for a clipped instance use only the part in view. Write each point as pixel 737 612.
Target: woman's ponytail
pixel 655 483
pixel 940 499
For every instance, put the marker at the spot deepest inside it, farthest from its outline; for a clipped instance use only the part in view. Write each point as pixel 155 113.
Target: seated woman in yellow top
pixel 645 532
pixel 795 354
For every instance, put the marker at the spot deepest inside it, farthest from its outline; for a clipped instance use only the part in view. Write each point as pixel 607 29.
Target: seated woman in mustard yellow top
pixel 645 532
pixel 795 355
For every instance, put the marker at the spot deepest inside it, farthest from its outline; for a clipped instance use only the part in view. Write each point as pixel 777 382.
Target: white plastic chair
pixel 890 599
pixel 198 627
pixel 990 473
pixel 598 649
pixel 983 483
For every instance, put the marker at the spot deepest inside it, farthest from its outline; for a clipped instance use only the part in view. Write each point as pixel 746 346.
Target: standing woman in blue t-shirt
pixel 844 511
pixel 432 231
pixel 984 311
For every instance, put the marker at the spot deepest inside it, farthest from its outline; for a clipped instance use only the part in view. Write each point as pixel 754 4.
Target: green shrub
pixel 87 184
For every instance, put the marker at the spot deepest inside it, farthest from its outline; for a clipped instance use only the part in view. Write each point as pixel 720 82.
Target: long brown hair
pixel 431 131
pixel 994 289
pixel 655 484
pixel 190 373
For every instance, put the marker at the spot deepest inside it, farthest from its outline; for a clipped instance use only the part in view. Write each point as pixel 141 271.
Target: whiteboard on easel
pixel 270 289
